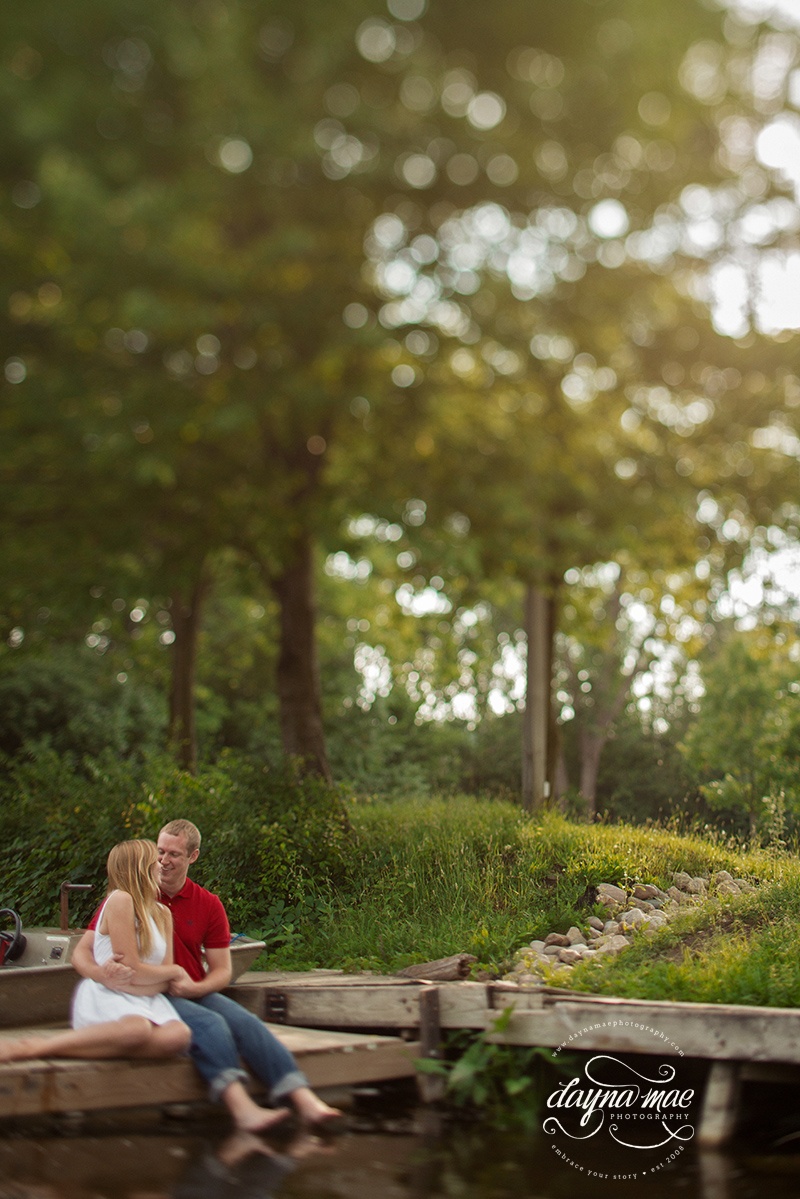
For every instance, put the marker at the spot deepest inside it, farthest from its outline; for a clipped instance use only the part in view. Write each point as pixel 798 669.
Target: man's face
pixel 173 862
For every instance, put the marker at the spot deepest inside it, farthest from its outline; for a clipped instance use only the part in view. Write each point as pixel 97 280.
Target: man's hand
pixel 115 975
pixel 184 987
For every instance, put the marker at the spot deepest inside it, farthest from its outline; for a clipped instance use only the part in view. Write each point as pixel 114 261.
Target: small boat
pixel 36 975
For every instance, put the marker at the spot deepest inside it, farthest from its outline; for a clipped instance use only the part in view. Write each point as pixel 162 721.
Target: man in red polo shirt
pixel 224 1034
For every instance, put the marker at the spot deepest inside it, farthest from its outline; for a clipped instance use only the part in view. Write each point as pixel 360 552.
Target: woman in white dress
pixel 138 929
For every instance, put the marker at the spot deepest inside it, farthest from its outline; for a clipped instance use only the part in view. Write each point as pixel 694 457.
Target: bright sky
pixel 769 283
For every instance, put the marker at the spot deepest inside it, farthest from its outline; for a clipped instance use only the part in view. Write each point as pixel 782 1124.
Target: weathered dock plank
pixel 62 1085
pixel 544 1017
pixel 715 1032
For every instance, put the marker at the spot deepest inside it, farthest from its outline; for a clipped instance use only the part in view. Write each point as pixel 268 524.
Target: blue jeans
pixel 225 1034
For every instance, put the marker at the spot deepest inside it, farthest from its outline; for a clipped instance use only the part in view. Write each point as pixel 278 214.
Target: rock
pixel 679 896
pixel 556 939
pixel 657 917
pixel 595 922
pixel 614 944
pixel 743 884
pixel 594 933
pixel 537 945
pixel 631 919
pixel 610 927
pixel 608 894
pixel 721 876
pixel 681 880
pixel 552 950
pixel 654 922
pixel 645 891
pixel 575 936
pixel 569 956
pixel 696 886
pixel 728 888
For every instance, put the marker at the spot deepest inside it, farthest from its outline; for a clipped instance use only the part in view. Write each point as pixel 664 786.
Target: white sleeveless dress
pixel 92 1003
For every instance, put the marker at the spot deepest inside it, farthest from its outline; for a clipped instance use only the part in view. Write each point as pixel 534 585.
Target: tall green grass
pixel 430 878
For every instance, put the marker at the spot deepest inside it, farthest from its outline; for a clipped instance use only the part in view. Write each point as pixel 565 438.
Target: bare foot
pixel 260 1119
pixel 314 1110
pixel 306 1144
pixel 21 1049
pixel 240 1145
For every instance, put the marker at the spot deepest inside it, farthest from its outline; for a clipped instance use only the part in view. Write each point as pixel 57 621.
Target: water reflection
pixel 414 1155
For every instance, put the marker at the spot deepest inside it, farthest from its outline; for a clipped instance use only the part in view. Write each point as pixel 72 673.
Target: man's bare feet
pixel 261 1119
pixel 240 1145
pixel 246 1114
pixel 313 1110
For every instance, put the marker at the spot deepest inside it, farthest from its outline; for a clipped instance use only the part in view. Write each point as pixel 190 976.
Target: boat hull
pixel 37 988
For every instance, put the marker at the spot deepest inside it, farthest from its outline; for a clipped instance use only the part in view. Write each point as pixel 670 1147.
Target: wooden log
pixel 442 970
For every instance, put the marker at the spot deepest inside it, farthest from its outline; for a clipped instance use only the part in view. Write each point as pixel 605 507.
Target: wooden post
pixel 715 1175
pixel 431 1086
pixel 720 1105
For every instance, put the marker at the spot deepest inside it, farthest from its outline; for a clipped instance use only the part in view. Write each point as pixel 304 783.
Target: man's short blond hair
pixel 184 828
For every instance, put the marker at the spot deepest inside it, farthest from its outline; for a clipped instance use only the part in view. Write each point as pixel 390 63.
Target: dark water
pixel 394 1152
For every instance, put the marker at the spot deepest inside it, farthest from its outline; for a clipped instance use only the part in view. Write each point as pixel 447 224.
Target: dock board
pixel 346 1030
pixel 544 1017
pixel 55 1085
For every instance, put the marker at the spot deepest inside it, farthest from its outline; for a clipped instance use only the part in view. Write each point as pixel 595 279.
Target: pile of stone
pixel 641 910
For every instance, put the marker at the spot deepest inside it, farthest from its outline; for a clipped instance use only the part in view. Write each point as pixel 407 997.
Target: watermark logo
pixel 609 1103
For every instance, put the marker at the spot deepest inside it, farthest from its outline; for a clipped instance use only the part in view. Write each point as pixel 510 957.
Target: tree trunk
pixel 592 745
pixel 186 613
pixel 538 622
pixel 299 687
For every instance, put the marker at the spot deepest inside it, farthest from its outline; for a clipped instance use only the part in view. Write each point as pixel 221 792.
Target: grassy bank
pixel 432 878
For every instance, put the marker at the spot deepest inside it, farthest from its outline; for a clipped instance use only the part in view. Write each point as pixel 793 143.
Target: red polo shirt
pixel 198 922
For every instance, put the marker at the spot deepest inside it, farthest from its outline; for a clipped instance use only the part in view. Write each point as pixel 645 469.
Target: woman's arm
pixel 119 920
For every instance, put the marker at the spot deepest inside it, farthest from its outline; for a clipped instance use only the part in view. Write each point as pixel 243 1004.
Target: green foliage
pixel 270 836
pixel 745 742
pixel 70 702
pixel 386 752
pixel 504 1084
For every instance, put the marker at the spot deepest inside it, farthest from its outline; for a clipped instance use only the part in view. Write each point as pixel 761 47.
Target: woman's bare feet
pixel 20 1049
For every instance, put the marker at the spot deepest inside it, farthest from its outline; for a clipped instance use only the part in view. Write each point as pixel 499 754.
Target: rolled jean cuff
pixel 290 1082
pixel 224 1080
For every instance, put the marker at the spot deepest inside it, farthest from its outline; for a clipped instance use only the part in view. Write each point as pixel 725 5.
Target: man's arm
pixel 114 974
pixel 220 972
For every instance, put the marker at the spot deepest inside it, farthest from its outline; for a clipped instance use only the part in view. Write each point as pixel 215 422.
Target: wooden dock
pixel 59 1085
pixel 347 1030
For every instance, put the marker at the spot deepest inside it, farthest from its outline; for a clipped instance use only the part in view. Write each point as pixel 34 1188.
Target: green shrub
pixel 69 703
pixel 268 835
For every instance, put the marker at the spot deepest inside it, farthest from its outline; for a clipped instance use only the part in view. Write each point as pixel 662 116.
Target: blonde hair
pixel 130 868
pixel 184 828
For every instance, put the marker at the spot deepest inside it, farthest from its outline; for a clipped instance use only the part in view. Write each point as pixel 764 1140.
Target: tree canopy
pixel 278 279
